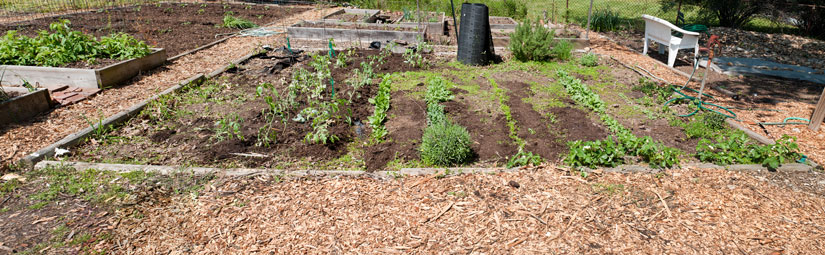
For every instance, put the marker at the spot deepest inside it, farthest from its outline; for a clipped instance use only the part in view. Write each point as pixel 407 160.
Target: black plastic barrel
pixel 475 41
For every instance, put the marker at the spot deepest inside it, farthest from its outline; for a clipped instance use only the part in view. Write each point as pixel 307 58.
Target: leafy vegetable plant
pixel 230 21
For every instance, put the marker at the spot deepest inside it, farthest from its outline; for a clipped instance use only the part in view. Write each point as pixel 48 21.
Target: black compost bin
pixel 475 41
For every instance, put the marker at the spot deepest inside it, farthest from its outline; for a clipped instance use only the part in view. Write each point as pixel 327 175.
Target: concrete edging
pixel 120 117
pixel 442 172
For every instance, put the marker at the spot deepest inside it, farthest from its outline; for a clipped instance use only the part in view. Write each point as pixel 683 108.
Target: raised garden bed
pixel 176 27
pixel 103 77
pixel 347 31
pixel 277 111
pixel 505 23
pixel 353 15
pixel 22 104
pixel 501 38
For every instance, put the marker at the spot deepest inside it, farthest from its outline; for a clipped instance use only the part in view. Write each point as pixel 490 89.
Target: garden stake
pixel 331 56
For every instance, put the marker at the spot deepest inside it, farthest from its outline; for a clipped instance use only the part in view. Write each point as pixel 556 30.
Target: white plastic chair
pixel 659 30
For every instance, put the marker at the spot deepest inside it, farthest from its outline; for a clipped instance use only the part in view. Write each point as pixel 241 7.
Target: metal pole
pixel 589 16
pixel 455 23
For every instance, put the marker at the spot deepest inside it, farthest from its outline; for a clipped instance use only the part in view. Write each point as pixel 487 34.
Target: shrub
pixel 238 23
pixel 604 20
pixel 589 60
pixel 730 13
pixel 812 22
pixel 563 50
pixel 445 144
pixel 532 41
pixel 515 9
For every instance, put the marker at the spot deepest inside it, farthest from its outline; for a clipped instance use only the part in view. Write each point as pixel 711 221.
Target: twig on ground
pixel 443 211
pixel 669 215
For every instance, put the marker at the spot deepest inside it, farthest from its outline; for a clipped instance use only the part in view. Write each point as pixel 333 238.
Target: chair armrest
pixel 671 26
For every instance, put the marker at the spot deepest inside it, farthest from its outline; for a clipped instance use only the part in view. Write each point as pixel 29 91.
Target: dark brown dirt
pixel 405 131
pixel 491 140
pixel 762 89
pixel 190 139
pixel 536 131
pixel 23 228
pixel 175 27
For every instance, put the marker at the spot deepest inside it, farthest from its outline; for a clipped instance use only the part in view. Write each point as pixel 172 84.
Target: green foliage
pixel 511 122
pixel 705 125
pixel 445 144
pixel 524 158
pixel 382 105
pixel 534 42
pixel 738 149
pixel 230 21
pixel 610 153
pixel 563 50
pixel 229 127
pixel 436 93
pixel 61 45
pixel 605 20
pixel 589 60
pixel 653 90
pixel 415 57
pixel 123 46
pixel 730 13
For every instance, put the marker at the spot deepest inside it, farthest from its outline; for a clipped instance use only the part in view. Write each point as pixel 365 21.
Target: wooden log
pixel 819 113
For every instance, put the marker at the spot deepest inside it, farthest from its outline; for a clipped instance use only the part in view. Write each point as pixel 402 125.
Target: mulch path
pixel 535 211
pixel 811 143
pixel 18 140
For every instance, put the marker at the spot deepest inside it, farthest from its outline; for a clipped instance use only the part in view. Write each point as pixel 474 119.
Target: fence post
pixel 589 16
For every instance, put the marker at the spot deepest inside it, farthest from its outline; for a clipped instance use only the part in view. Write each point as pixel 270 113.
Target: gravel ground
pixel 540 211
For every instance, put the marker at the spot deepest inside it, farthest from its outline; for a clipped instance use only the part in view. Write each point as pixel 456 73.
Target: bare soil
pixel 190 138
pixel 175 27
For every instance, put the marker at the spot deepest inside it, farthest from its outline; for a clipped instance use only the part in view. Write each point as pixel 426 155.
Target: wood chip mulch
pixel 19 140
pixel 538 211
pixel 811 143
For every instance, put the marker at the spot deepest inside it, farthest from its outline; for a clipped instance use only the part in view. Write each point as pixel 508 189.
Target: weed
pixel 201 11
pixel 9 187
pixel 415 57
pixel 605 20
pixel 230 21
pixel 229 127
pixel 589 60
pixel 738 149
pixel 99 129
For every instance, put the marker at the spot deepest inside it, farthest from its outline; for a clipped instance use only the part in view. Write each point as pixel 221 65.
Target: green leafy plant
pixel 61 45
pixel 229 127
pixel 738 149
pixel 201 11
pixel 705 125
pixel 415 57
pixel 436 93
pixel 654 90
pixel 230 21
pixel 524 158
pixel 589 60
pixel 382 105
pixel 445 144
pixel 533 42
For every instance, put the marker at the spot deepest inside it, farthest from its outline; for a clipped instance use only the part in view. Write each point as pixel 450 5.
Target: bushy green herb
pixel 61 45
pixel 589 60
pixel 445 144
pixel 534 42
pixel 237 23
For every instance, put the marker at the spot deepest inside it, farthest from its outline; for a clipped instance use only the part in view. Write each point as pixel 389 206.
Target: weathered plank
pixel 24 107
pixel 819 113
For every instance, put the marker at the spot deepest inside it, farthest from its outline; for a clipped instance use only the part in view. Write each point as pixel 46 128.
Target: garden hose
pixel 700 104
pixel 785 122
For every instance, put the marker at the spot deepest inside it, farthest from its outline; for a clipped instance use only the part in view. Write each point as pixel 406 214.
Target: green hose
pixel 699 103
pixel 785 122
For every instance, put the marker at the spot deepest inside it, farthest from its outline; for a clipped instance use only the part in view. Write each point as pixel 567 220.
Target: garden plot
pixel 353 15
pixel 356 32
pixel 172 26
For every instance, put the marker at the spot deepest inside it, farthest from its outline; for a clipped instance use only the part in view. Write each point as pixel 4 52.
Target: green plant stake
pixel 332 56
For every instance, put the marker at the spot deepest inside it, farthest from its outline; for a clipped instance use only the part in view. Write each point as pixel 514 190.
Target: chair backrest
pixel 661 28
